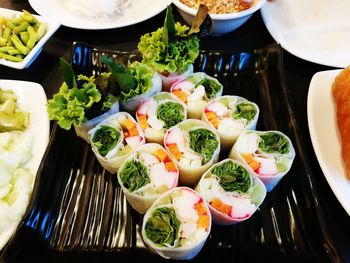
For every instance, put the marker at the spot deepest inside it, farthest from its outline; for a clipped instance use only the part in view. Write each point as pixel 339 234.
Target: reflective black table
pixel 301 219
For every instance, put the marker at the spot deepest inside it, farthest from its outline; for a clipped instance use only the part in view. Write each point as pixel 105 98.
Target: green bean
pixel 33 37
pixel 41 30
pixel 21 27
pixel 16 21
pixel 10 58
pixel 9 50
pixel 6 33
pixel 3 41
pixel 19 45
pixel 9 42
pixel 26 16
pixel 24 36
pixel 9 24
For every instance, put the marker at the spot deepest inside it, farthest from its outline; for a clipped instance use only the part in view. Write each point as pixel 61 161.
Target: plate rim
pixel 34 4
pixel 38 90
pixel 311 101
pixel 266 14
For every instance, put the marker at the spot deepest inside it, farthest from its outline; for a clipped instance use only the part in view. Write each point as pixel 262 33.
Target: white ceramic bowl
pixel 222 23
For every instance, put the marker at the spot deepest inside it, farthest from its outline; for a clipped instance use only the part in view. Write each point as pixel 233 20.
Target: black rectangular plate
pixel 78 211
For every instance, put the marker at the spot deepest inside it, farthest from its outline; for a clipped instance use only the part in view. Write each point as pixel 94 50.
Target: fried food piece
pixel 341 94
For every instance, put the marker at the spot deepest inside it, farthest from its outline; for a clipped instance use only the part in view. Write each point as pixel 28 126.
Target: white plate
pixel 138 11
pixel 53 25
pixel 31 98
pixel 324 134
pixel 314 30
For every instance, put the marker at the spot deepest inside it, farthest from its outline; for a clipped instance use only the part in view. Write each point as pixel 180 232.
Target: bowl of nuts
pixel 226 15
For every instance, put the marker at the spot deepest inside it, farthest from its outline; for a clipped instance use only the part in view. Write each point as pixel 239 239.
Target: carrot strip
pixel 134 131
pixel 200 208
pixel 210 115
pixel 220 206
pixel 180 94
pixel 203 221
pixel 170 166
pixel 128 124
pixel 160 154
pixel 175 151
pixel 143 121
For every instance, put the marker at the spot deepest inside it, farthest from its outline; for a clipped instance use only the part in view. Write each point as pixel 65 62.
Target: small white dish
pixel 138 11
pixel 321 113
pixel 53 25
pixel 314 30
pixel 31 98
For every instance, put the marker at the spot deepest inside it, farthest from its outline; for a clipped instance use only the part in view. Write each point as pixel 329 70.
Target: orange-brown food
pixel 221 6
pixel 341 94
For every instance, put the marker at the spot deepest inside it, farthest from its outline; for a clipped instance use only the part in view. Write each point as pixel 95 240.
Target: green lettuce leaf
pixel 163 227
pixel 211 87
pixel 143 75
pixel 68 107
pixel 134 175
pixel 273 143
pixel 105 139
pixel 204 142
pixel 171 113
pixel 174 56
pixel 245 111
pixel 233 177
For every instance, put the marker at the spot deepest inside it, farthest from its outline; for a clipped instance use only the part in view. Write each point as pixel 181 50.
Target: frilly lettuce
pixel 175 56
pixel 69 105
pixel 143 76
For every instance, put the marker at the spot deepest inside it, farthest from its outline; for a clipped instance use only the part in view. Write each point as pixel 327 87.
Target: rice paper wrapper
pixel 83 129
pixel 243 205
pixel 269 172
pixel 188 251
pixel 116 156
pixel 132 104
pixel 194 97
pixel 169 80
pixel 142 199
pixel 190 175
pixel 149 109
pixel 224 108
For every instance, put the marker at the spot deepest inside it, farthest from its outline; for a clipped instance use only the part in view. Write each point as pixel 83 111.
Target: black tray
pixel 78 211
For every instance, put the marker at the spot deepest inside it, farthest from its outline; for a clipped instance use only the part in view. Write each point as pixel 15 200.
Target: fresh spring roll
pixel 82 101
pixel 196 91
pixel 114 139
pixel 195 147
pixel 135 83
pixel 159 113
pixel 172 49
pixel 177 225
pixel 146 174
pixel 230 115
pixel 232 192
pixel 267 154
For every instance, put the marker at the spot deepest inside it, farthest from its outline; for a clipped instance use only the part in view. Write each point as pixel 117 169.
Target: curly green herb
pixel 134 175
pixel 163 227
pixel 245 111
pixel 204 142
pixel 105 139
pixel 211 87
pixel 233 177
pixel 273 142
pixel 171 113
